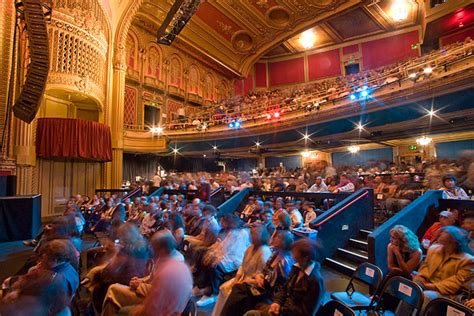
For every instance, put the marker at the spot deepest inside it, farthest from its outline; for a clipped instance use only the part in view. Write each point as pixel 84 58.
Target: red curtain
pixel 73 139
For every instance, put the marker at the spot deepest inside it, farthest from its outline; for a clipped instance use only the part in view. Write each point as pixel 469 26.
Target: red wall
pixel 325 64
pixel 389 50
pixel 261 75
pixel 286 72
pixel 248 84
pixel 238 87
pixel 457 37
pixel 350 49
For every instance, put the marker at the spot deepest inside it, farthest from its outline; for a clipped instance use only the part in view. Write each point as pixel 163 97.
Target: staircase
pixel 346 259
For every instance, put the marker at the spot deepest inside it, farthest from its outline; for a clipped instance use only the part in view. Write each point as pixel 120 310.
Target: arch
pixel 175 72
pixel 131 50
pixel 209 87
pixel 153 61
pixel 193 80
pixel 223 90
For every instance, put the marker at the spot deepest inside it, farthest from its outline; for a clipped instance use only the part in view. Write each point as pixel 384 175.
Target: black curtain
pixel 139 165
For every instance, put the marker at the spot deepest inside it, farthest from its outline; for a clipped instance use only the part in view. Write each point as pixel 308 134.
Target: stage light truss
pixel 177 18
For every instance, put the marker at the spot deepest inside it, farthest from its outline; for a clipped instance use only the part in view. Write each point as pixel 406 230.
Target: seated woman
pixel 451 191
pixel 247 295
pixel 52 282
pixel 253 263
pixel 129 261
pixel 223 257
pixel 304 291
pixel 175 225
pixel 447 264
pixel 404 254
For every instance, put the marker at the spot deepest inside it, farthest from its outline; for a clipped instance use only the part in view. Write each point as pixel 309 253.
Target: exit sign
pixel 412 147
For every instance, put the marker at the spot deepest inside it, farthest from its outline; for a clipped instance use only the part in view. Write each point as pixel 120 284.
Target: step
pixel 353 254
pixel 365 232
pixel 341 265
pixel 359 244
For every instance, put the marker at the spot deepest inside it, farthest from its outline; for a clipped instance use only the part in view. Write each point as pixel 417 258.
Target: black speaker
pixel 7 185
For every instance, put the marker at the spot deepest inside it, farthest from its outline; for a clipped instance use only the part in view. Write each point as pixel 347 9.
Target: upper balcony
pixel 440 72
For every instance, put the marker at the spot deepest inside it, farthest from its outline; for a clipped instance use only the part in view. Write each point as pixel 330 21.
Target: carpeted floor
pixel 14 254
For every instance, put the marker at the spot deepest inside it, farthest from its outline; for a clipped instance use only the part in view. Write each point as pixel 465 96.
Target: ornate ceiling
pixel 236 33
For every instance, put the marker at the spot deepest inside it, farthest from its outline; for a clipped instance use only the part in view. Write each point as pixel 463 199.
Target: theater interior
pixel 237 157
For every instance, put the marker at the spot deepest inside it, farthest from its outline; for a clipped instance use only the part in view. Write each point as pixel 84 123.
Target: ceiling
pixel 234 34
pixel 371 18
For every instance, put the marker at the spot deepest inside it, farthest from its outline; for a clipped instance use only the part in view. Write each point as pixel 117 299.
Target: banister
pixel 341 209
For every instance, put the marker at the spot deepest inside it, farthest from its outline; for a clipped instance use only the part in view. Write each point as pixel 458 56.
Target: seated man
pixel 446 218
pixel 451 191
pixel 309 213
pixel 319 186
pixel 53 281
pixel 118 295
pixel 448 263
pixel 210 229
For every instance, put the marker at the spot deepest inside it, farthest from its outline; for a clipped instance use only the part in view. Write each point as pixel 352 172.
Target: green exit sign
pixel 412 147
pixel 414 46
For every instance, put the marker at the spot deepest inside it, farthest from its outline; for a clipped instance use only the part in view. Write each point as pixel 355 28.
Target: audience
pixel 446 218
pixel 448 263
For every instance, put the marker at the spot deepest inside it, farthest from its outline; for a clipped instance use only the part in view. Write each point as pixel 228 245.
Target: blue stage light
pixel 364 88
pixel 352 97
pixel 364 93
pixel 231 125
pixel 237 124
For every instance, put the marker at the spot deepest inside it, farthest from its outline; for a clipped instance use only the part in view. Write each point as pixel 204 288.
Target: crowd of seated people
pixel 309 97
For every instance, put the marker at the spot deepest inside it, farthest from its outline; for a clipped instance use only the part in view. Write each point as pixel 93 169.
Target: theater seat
pixel 366 273
pixel 444 307
pixel 335 308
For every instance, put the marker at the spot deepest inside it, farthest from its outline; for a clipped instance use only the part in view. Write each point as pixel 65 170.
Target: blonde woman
pixel 403 252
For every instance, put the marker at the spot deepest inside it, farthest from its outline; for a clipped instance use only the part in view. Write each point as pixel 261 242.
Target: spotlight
pixel 269 116
pixel 237 124
pixel 204 156
pixel 276 115
pixel 364 94
pixel 156 130
pixel 412 75
pixel 431 113
pixel 359 126
pixel 364 88
pixel 427 70
pixel 352 97
pixel 257 144
pixel 175 150
pixel 353 149
pixel 305 136
pixel 231 125
pixel 214 147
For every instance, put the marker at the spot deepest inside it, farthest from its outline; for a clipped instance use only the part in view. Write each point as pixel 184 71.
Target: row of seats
pixel 396 288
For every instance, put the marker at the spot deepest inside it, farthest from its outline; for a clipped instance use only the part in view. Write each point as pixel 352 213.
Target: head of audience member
pixel 289 206
pixel 130 240
pixel 446 218
pixel 454 240
pixel 209 211
pixel 284 221
pixel 268 206
pixel 278 204
pixel 175 221
pixel 282 241
pixel 468 224
pixel 230 221
pixel 163 244
pixel 56 252
pixel 304 252
pixel 64 227
pixel 259 206
pixel 319 180
pixel 266 216
pixel 259 236
pixel 449 181
pixel 196 201
pixel 404 239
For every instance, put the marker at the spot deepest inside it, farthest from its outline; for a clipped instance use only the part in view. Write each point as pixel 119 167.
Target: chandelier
pixel 423 141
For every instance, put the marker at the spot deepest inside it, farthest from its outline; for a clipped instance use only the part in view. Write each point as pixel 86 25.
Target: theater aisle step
pixel 346 259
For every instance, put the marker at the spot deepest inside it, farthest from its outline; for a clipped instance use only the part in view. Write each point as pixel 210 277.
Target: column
pixel 115 121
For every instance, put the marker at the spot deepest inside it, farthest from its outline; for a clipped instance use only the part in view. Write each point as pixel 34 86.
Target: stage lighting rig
pixel 177 18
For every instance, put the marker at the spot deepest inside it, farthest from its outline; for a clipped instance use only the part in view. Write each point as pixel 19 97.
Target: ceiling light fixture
pixel 353 149
pixel 307 39
pixel 400 10
pixel 423 141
